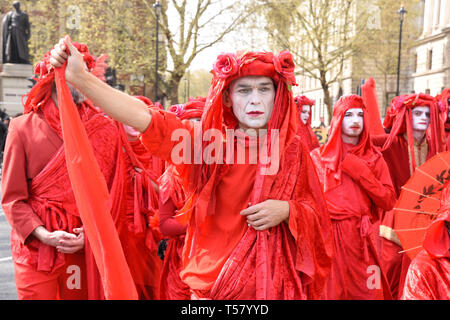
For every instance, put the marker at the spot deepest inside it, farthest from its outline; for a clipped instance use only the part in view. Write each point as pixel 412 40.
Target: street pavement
pixel 7 284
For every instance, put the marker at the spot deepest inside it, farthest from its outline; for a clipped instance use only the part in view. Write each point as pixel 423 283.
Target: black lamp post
pixel 401 14
pixel 157 7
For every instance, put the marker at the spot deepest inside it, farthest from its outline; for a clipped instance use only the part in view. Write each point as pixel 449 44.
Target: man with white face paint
pixel 416 134
pixel 247 232
pixel 357 188
pixel 304 106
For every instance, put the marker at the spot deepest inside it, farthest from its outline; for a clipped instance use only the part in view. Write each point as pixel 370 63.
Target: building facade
pixel 431 55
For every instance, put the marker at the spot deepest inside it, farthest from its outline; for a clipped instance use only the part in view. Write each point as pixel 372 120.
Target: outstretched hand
pixel 75 62
pixel 266 214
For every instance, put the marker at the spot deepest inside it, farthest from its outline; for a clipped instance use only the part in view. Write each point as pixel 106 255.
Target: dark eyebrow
pixel 266 83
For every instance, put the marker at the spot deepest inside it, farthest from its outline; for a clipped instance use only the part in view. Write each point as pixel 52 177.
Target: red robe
pixel 394 263
pixel 289 261
pixel 172 198
pixel 354 206
pixel 36 187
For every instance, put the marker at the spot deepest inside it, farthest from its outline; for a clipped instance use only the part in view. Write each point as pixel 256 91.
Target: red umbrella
pixel 420 201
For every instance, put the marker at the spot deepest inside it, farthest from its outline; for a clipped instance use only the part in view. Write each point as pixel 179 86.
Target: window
pixel 430 59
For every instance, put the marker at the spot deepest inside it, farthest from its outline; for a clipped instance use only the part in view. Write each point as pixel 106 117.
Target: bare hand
pixel 63 241
pixel 72 245
pixel 266 214
pixel 75 62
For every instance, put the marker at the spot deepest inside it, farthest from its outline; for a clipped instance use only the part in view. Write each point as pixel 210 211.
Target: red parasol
pixel 420 201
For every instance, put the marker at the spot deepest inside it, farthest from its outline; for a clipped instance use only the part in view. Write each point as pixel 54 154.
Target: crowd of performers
pixel 313 228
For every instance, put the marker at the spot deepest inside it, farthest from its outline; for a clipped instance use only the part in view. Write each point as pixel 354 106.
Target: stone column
pixel 426 17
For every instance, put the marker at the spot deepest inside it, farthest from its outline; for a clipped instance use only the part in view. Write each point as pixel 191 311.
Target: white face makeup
pixel 306 111
pixel 420 118
pixel 352 123
pixel 252 99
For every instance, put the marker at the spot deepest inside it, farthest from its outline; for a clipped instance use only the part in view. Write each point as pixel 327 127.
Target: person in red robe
pixel 444 102
pixel 305 131
pixel 172 198
pixel 52 258
pixel 357 188
pixel 428 276
pixel 272 238
pixel 416 134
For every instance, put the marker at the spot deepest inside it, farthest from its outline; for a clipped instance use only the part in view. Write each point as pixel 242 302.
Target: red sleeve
pixel 19 213
pixel 376 182
pixel 310 224
pixel 158 136
pixel 168 226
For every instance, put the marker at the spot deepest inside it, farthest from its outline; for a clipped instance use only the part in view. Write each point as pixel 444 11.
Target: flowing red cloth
pixel 428 276
pixel 357 192
pixel 304 130
pixel 92 198
pixel 397 147
pixel 290 262
pixel 369 95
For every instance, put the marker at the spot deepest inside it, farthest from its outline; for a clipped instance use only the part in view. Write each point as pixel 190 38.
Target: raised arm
pixel 117 104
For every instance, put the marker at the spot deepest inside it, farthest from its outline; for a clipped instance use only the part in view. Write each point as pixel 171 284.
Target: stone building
pixel 431 55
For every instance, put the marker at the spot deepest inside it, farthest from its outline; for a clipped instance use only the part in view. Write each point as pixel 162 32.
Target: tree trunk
pixel 174 85
pixel 327 101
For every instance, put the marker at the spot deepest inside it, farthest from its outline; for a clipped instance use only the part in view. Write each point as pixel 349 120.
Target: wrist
pixel 41 234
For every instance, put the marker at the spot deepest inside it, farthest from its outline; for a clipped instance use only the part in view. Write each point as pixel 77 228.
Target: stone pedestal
pixel 13 85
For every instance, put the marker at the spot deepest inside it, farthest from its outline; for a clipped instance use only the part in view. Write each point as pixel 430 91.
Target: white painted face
pixel 306 111
pixel 353 122
pixel 420 118
pixel 252 99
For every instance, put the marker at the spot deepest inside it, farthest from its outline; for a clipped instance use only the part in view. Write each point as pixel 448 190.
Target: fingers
pixel 58 55
pixel 252 209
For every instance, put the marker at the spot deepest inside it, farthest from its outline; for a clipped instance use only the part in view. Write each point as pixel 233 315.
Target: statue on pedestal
pixel 16 33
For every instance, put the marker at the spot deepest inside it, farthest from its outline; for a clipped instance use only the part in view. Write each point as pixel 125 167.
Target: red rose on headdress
pixel 225 65
pixel 178 109
pixel 284 66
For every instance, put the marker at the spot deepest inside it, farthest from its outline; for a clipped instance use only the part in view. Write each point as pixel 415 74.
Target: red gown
pixel 37 191
pixel 357 188
pixel 225 259
pixel 354 207
pixel 172 198
pixel 394 263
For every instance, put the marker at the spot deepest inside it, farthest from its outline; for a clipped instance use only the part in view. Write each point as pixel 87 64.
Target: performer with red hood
pixel 444 103
pixel 50 257
pixel 304 107
pixel 172 198
pixel 357 189
pixel 416 134
pixel 428 276
pixel 256 229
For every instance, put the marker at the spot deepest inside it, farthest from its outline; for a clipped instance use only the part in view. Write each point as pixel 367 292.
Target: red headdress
pixel 304 130
pixel 399 120
pixel 331 153
pixel 443 104
pixel 191 109
pixel 45 72
pixel 301 101
pixel 229 67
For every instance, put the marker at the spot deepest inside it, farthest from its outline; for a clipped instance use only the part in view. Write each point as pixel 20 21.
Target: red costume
pixel 444 101
pixel 397 146
pixel 304 130
pixel 223 258
pixel 37 190
pixel 172 198
pixel 428 276
pixel 357 189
